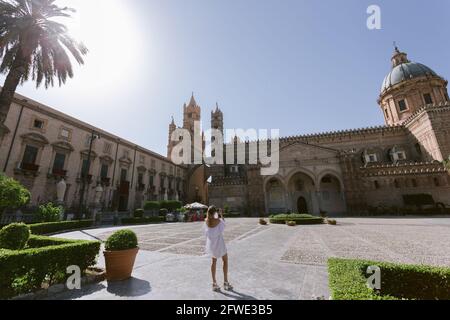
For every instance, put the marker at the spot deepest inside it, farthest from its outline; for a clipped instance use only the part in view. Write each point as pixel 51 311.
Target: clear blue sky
pixel 297 65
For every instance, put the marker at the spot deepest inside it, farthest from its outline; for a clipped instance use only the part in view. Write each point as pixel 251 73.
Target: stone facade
pixel 355 170
pixel 39 146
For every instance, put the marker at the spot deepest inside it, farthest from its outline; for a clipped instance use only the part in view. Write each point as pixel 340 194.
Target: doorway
pixel 302 205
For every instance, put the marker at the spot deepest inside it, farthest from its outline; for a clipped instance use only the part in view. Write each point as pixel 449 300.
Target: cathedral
pixel 391 168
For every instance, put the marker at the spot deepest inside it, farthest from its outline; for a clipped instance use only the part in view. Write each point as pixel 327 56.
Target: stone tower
pixel 191 113
pixel 217 119
pixel 409 87
pixel 171 144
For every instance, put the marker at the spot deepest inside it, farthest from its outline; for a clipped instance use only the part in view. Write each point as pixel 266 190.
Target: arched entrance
pixel 276 198
pixel 302 193
pixel 331 195
pixel 302 205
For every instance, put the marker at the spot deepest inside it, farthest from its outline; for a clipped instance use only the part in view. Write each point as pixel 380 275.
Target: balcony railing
pixel 105 181
pixel 140 187
pixel 59 172
pixel 29 167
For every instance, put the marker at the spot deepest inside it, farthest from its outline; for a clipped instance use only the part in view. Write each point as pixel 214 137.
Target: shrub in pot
pixel 120 253
pixel 332 222
pixel 14 236
pixel 263 222
pixel 291 223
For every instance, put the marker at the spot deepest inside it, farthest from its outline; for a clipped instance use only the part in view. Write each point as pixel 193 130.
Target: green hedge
pixel 348 281
pixel 54 227
pixel 44 260
pixel 149 220
pixel 300 219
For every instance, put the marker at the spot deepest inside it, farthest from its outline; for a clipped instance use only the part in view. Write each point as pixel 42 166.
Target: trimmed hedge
pixel 14 236
pixel 54 227
pixel 348 281
pixel 44 260
pixel 300 219
pixel 149 220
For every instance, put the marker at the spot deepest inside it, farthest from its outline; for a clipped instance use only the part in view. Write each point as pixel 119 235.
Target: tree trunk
pixel 12 81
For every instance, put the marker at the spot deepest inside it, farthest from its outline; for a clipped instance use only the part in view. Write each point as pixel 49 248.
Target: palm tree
pixel 33 45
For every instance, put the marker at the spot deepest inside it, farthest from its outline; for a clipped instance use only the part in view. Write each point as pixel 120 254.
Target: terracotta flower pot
pixel 119 264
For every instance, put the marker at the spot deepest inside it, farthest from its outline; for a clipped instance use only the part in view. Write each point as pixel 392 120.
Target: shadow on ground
pixel 129 288
pixel 233 294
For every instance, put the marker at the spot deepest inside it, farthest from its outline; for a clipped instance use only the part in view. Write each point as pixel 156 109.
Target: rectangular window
pixel 123 175
pixel 427 98
pixel 58 164
pixel 104 171
pixel 84 168
pixel 30 155
pixel 402 105
pixel 107 148
pixel 140 178
pixel 142 159
pixel 150 181
pixel 38 124
pixel 387 113
pixel 64 133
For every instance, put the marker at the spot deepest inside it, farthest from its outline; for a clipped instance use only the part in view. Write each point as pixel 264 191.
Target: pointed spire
pixel 193 103
pixel 173 121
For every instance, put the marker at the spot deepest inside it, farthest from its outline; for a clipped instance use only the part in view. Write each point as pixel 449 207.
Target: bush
pixel 263 222
pixel 348 281
pixel 12 194
pixel 163 212
pixel 151 205
pixel 299 219
pixel 291 223
pixel 44 260
pixel 331 222
pixel 14 236
pixel 149 220
pixel 232 215
pixel 54 227
pixel 49 213
pixel 121 240
pixel 139 213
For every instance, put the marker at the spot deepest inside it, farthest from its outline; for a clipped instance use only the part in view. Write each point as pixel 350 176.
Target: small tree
pixel 49 213
pixel 12 194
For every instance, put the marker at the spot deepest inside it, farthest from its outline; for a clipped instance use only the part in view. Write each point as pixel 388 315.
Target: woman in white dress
pixel 215 245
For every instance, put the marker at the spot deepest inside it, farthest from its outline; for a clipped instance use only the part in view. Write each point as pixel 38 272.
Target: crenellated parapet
pixel 403 169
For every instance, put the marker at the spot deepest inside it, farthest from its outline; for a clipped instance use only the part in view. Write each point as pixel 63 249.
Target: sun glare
pixel 107 28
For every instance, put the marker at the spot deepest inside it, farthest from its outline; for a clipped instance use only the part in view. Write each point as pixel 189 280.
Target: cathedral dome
pixel 406 71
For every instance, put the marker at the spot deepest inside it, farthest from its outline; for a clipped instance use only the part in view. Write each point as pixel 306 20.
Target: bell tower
pixel 217 119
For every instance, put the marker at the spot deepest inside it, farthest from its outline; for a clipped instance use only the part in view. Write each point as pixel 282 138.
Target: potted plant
pixel 291 223
pixel 120 253
pixel 263 222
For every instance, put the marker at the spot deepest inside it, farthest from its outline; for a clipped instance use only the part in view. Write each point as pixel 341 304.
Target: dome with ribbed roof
pixel 404 70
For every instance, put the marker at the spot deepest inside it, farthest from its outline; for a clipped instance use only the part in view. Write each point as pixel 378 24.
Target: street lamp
pixel 84 176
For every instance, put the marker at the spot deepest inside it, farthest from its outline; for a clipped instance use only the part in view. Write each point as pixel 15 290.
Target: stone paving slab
pixel 271 262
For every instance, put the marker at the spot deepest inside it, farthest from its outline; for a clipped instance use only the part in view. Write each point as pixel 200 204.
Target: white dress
pixel 215 243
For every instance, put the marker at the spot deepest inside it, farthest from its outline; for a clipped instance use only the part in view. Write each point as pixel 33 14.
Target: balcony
pixel 57 174
pixel 28 169
pixel 85 177
pixel 106 182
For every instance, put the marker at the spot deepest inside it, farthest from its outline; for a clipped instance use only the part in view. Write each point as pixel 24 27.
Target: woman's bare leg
pixel 225 268
pixel 213 269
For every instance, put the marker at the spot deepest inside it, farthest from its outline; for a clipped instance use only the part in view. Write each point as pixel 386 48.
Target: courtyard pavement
pixel 266 262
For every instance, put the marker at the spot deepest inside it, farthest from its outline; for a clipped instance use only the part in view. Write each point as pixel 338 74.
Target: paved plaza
pixel 267 262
